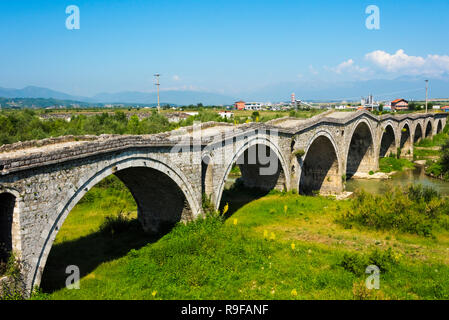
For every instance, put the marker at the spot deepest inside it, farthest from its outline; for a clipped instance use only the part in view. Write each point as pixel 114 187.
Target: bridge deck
pixel 341 114
pixel 42 149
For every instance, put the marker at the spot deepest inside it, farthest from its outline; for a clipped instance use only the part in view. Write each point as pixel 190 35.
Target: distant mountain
pixel 176 97
pixel 38 92
pixel 403 87
pixel 171 97
pixel 307 90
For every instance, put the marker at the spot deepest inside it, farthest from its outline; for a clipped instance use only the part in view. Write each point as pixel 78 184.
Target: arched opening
pixel 405 143
pixel 429 130
pixel 388 142
pixel 361 151
pixel 7 203
pixel 124 211
pixel 256 171
pixel 418 134
pixel 320 173
pixel 439 126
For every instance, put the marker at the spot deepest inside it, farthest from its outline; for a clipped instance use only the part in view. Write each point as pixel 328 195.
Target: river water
pixel 405 178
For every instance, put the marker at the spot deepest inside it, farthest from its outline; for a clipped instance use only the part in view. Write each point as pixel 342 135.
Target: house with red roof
pixel 399 104
pixel 240 105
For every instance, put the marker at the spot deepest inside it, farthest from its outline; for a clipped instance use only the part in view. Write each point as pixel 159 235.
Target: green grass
pixel 250 256
pixel 419 210
pixel 425 153
pixel 390 164
pixel 436 140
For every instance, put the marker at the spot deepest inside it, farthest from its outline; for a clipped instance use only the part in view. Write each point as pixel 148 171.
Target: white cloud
pixel 400 62
pixel 344 66
pixel 176 77
pixel 348 66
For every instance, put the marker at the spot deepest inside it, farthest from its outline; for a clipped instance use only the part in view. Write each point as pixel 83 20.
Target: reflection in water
pixel 405 178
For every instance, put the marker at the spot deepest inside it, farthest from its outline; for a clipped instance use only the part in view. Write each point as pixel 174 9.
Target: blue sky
pixel 219 46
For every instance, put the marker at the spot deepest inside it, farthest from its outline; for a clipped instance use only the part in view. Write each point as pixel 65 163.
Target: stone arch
pixel 360 156
pixel 321 167
pixel 439 126
pixel 387 142
pixel 429 129
pixel 405 142
pixel 418 135
pixel 10 232
pixel 148 180
pixel 250 170
pixel 7 205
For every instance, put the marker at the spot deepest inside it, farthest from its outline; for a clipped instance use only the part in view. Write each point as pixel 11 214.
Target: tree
pixel 133 125
pixel 445 156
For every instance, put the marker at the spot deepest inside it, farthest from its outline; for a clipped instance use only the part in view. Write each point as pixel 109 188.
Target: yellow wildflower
pixel 294 293
pixel 225 209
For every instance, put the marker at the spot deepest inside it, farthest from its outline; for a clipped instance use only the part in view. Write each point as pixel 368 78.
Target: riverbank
pixel 281 246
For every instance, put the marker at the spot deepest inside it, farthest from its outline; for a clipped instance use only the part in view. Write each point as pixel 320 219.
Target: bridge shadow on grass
pixel 238 196
pixel 113 241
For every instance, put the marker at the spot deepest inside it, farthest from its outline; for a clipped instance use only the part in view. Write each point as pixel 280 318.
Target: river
pixel 404 178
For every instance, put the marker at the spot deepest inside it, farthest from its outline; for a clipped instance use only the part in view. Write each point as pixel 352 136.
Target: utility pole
pixel 157 75
pixel 427 88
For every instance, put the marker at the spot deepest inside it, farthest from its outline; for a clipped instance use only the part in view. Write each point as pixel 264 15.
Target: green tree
pixel 133 125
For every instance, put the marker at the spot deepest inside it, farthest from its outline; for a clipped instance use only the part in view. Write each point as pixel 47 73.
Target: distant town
pixel 366 103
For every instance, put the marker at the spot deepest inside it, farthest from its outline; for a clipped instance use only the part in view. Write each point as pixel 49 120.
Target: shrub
pixel 418 210
pixel 115 224
pixel 357 263
pixel 419 192
pixel 13 287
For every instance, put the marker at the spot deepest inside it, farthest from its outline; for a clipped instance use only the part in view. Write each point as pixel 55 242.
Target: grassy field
pixel 390 164
pixel 281 246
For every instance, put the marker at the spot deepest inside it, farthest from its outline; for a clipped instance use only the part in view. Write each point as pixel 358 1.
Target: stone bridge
pixel 168 173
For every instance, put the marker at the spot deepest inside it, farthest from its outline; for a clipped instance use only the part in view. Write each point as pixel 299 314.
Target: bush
pixel 357 263
pixel 115 224
pixel 418 193
pixel 418 210
pixel 12 288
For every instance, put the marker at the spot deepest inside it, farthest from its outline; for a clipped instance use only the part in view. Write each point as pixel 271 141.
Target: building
pixel 240 105
pixel 175 117
pixel 255 106
pixel 399 104
pixel 226 114
pixel 387 107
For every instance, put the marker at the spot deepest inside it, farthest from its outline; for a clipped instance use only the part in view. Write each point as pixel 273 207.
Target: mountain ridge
pixel 412 88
